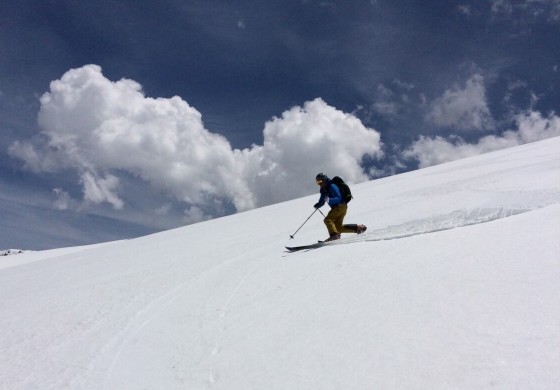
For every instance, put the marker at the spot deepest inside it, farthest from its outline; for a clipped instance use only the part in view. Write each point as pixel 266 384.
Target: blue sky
pixel 121 118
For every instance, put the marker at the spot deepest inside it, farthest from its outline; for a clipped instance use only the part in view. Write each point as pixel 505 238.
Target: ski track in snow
pixel 510 203
pixel 438 223
pixel 220 328
pixel 432 224
pixel 112 351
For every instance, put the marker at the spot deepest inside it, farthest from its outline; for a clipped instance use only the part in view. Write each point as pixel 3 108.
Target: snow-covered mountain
pixel 455 285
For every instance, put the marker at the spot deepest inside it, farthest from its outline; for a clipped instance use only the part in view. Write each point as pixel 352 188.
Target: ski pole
pixel 292 236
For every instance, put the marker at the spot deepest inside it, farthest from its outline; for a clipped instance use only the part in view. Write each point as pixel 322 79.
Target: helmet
pixel 321 176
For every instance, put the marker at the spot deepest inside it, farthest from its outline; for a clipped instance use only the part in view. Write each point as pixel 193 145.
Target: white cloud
pixel 101 189
pixel 105 130
pixel 531 127
pixel 195 214
pixel 463 108
pixel 63 199
pixel 531 9
pixel 390 101
pixel 464 9
pixel 386 103
pixel 304 141
pixel 501 6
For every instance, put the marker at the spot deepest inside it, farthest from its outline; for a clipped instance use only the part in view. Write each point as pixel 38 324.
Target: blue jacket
pixel 331 191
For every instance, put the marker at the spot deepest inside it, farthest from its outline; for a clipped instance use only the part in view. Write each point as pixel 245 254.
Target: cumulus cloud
pixel 304 141
pixel 531 127
pixel 105 130
pixel 463 109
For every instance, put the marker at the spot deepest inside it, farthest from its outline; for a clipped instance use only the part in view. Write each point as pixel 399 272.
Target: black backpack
pixel 344 189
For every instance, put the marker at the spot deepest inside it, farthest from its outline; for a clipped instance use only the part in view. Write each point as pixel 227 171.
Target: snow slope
pixel 455 285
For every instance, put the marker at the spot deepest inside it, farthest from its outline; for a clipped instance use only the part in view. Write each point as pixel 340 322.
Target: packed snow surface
pixel 455 285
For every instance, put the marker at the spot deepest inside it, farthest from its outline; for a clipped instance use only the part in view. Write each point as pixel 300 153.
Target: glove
pixel 316 205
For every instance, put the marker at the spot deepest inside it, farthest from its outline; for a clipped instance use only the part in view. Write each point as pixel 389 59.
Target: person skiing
pixel 331 193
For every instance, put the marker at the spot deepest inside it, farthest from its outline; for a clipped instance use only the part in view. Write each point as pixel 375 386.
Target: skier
pixel 332 194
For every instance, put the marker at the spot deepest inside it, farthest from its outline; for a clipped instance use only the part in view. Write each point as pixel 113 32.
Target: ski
pixel 303 247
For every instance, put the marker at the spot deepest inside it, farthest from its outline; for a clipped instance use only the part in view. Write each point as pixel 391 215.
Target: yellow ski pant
pixel 335 218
